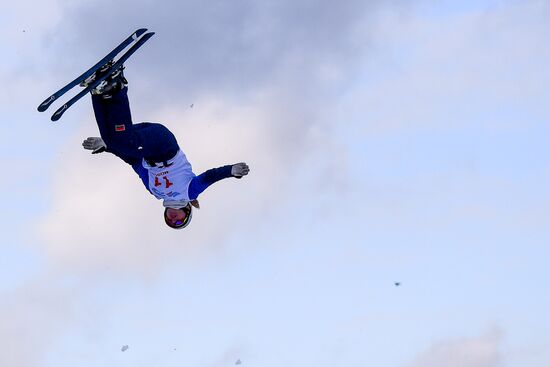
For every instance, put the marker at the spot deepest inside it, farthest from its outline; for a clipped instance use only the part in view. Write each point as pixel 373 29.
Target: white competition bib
pixel 171 183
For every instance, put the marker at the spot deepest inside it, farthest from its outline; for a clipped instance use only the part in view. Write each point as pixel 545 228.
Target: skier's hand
pixel 239 170
pixel 95 144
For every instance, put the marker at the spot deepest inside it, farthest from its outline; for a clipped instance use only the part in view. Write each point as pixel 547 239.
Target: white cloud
pixel 102 216
pixel 264 104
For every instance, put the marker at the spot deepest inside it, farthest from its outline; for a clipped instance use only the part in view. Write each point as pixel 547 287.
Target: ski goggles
pixel 180 222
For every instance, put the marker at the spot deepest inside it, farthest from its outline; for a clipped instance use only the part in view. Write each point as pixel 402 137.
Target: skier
pixel 151 149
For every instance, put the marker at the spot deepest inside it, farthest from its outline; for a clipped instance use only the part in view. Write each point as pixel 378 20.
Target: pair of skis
pixel 133 38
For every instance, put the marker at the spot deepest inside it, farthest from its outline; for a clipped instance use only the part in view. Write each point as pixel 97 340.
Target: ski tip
pixel 146 36
pixel 138 33
pixel 44 105
pixel 57 114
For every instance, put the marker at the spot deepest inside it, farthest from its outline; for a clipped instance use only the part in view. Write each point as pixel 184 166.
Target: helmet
pixel 180 224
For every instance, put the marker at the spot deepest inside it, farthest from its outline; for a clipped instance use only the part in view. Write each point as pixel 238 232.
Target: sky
pixel 389 142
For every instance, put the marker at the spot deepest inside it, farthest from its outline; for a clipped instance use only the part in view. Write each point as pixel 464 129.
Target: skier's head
pixel 178 218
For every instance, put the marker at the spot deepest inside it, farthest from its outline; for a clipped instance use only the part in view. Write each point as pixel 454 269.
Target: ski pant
pixel 128 141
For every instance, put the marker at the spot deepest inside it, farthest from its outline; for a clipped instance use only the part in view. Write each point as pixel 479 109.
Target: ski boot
pixel 110 85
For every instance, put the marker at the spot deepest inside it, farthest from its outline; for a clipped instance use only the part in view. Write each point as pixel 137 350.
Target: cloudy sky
pixel 389 141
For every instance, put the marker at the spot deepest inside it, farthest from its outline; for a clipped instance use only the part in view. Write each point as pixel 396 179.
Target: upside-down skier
pixel 151 149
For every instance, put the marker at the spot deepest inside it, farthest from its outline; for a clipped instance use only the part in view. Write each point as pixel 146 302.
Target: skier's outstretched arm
pixel 204 180
pixel 97 145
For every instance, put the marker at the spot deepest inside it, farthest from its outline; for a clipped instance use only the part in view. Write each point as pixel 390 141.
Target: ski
pixel 111 55
pixel 57 114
